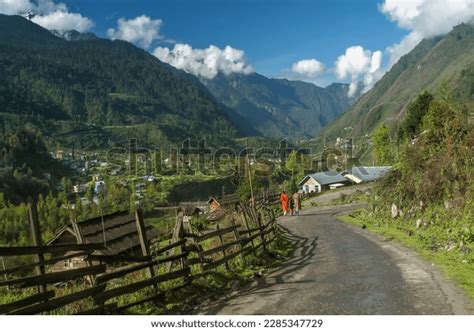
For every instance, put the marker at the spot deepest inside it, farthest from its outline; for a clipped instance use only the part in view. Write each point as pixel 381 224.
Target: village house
pixel 59 154
pixel 213 204
pixel 79 188
pixel 365 174
pixel 321 181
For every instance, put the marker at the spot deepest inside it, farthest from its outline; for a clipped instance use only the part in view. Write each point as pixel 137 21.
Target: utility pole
pixel 249 170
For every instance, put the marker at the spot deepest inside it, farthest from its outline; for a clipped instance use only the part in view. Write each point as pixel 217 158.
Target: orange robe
pixel 284 202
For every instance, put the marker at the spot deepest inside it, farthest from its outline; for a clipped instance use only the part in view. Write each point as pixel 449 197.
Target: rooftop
pixel 326 177
pixel 368 174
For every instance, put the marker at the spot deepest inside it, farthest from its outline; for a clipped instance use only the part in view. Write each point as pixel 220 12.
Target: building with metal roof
pixel 365 174
pixel 320 181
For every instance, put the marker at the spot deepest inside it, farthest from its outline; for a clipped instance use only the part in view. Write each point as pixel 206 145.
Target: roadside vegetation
pixel 427 201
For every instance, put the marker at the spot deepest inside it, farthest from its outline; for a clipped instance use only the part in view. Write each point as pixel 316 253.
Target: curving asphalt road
pixel 341 269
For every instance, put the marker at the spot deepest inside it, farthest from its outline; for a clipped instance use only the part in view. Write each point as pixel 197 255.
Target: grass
pixel 456 266
pixel 219 283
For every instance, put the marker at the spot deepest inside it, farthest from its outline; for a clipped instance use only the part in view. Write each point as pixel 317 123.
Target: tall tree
pixel 383 153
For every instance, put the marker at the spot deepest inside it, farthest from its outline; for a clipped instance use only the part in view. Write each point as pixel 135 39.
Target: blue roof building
pixel 320 181
pixel 366 174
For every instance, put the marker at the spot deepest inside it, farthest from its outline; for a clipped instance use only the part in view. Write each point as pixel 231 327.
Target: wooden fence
pixel 102 285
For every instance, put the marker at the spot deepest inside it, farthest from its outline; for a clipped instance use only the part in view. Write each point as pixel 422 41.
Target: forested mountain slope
pixel 279 108
pixel 59 85
pixel 435 63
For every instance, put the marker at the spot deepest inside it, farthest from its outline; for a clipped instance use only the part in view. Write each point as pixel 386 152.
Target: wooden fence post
pixel 80 240
pixel 247 227
pixel 143 237
pixel 237 238
pixel 258 220
pixel 178 233
pixel 37 241
pixel 221 240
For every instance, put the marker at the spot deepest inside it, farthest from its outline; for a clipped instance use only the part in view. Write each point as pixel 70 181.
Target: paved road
pixel 340 269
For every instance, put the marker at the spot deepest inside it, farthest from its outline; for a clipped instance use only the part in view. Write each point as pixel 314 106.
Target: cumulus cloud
pixel 60 20
pixel 206 63
pixel 309 68
pixel 359 64
pixel 424 19
pixel 141 30
pixel 13 7
pixel 48 14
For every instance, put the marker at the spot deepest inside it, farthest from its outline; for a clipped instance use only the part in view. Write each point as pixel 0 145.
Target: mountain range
pixel 69 82
pixel 82 83
pixel 435 64
pixel 279 108
pixel 92 92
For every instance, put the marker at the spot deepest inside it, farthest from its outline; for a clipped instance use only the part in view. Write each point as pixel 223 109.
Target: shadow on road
pixel 303 253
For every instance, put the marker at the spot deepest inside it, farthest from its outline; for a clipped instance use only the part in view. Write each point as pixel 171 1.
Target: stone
pixel 394 210
pixel 448 204
pixel 422 205
pixel 450 246
pixel 419 222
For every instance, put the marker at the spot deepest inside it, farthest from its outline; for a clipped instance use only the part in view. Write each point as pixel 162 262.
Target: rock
pixel 411 212
pixel 448 204
pixel 422 205
pixel 464 248
pixel 418 223
pixel 450 246
pixel 394 210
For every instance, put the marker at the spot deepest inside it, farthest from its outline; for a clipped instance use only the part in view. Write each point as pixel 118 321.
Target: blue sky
pixel 273 33
pixel 319 41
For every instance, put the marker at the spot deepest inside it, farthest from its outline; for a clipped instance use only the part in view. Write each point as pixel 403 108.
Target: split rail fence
pixel 111 284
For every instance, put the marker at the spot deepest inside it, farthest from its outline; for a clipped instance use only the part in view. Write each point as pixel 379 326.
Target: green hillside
pixel 279 108
pixel 443 61
pixel 61 86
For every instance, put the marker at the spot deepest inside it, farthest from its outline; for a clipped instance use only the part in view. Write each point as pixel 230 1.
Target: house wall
pixel 214 205
pixel 310 186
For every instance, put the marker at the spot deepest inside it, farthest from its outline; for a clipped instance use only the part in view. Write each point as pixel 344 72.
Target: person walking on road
pixel 284 202
pixel 297 202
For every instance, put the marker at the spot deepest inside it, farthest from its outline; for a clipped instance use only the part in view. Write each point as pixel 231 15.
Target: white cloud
pixel 396 51
pixel 424 19
pixel 359 64
pixel 206 63
pixel 141 30
pixel 309 68
pixel 13 7
pixel 50 15
pixel 63 21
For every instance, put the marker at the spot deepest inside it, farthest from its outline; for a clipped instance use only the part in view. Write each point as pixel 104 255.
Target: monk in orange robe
pixel 284 202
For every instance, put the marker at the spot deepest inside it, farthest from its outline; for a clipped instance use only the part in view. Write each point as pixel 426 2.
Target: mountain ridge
pixel 280 108
pixel 435 63
pixel 57 85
